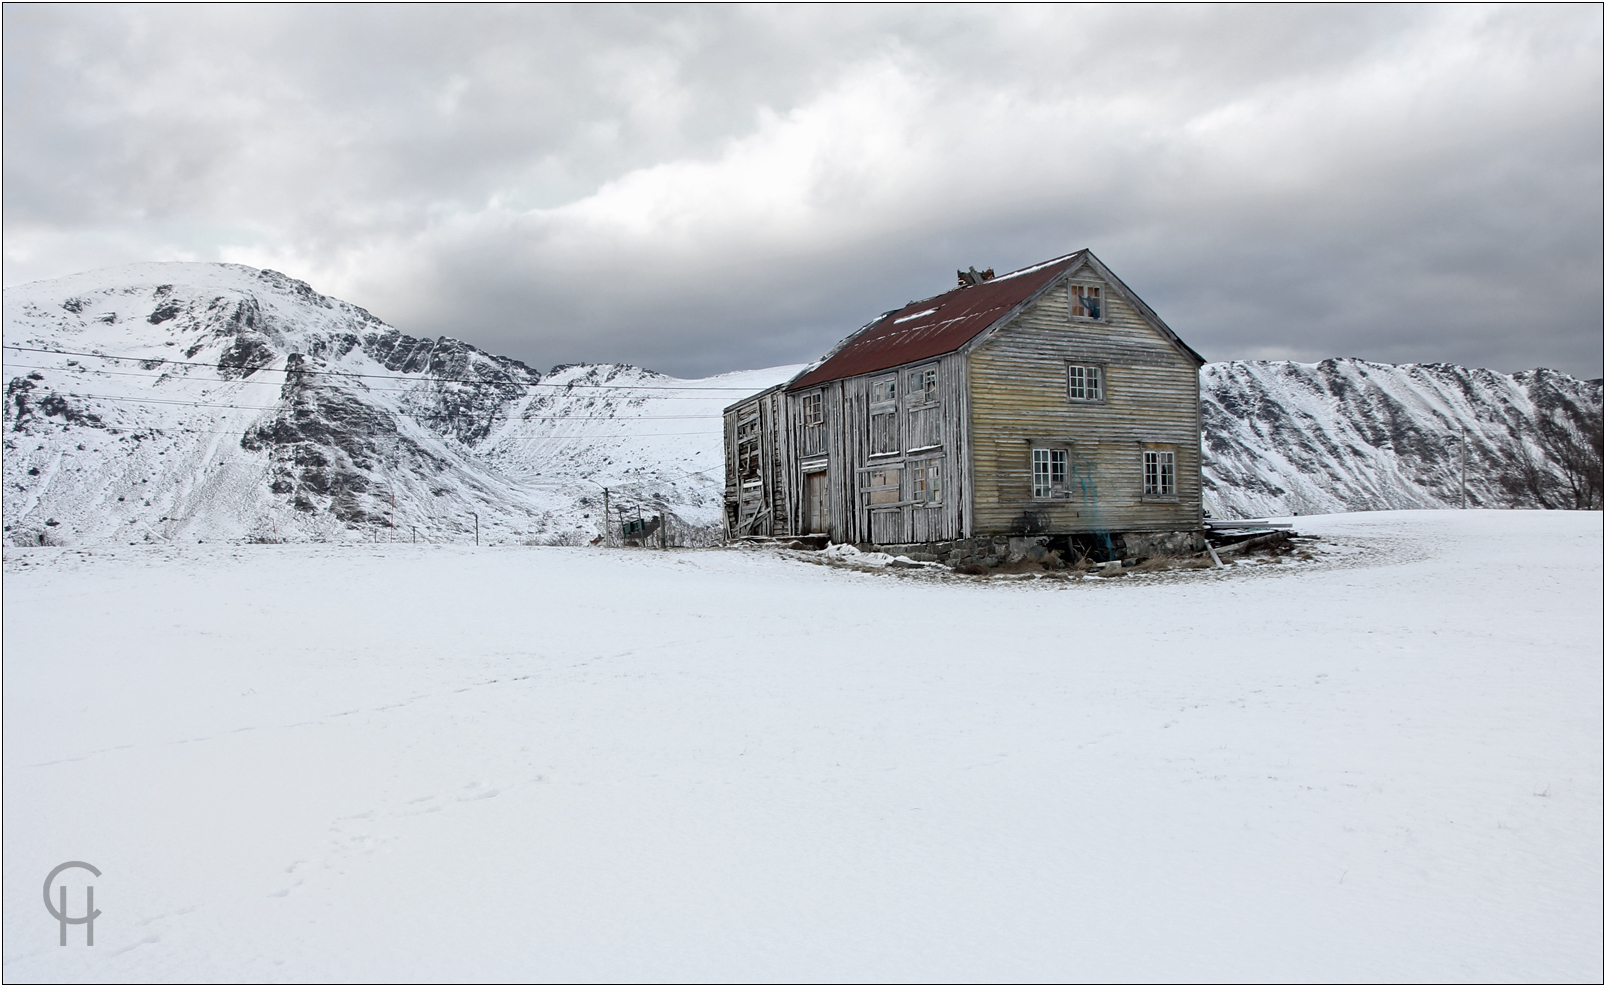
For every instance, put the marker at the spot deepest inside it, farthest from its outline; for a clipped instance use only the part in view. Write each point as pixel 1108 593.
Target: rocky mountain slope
pixel 1349 435
pixel 218 402
pixel 215 401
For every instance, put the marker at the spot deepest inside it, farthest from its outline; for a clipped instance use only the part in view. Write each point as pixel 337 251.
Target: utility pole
pixel 476 528
pixel 1463 467
pixel 393 516
pixel 605 516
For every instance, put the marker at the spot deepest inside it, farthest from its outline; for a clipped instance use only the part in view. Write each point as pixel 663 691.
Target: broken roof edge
pixel 1034 267
pixel 737 404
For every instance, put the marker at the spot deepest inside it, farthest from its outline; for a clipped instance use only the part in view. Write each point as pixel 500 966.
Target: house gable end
pixel 1090 269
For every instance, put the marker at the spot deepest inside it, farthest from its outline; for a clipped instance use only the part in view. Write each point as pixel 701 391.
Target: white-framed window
pixel 813 423
pixel 881 486
pixel 1084 382
pixel 884 416
pixel 1050 473
pixel 925 481
pixel 1087 301
pixel 1159 474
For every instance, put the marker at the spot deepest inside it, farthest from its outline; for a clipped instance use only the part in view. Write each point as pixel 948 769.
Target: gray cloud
pixel 705 189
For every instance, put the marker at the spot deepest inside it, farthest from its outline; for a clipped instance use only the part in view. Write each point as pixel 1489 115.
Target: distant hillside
pixel 183 402
pixel 256 408
pixel 1349 435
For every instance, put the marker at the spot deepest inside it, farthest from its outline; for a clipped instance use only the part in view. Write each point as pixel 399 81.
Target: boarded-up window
pixel 882 486
pixel 1160 474
pixel 1086 383
pixel 1086 301
pixel 925 427
pixel 884 433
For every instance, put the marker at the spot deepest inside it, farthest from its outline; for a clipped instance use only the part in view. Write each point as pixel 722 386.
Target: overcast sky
pixel 703 189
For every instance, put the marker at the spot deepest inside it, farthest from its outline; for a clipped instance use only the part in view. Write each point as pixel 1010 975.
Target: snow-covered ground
pixel 363 762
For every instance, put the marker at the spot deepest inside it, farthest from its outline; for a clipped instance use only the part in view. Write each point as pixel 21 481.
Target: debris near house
pixel 1223 545
pixel 796 543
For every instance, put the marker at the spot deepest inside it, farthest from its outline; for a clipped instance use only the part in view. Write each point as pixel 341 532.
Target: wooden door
pixel 817 513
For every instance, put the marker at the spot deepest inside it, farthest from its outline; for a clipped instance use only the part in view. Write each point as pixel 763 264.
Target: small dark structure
pixel 1044 409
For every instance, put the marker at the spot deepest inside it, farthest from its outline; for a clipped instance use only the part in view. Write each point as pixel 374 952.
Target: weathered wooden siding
pixel 767 509
pixel 848 410
pixel 1018 399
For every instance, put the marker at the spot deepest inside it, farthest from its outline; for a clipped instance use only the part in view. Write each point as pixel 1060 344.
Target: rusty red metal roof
pixel 929 328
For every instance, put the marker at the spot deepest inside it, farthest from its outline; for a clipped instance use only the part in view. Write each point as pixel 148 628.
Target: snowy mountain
pixel 1348 435
pixel 180 401
pixel 187 401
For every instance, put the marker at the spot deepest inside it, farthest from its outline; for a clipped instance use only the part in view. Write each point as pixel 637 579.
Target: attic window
pixel 1087 301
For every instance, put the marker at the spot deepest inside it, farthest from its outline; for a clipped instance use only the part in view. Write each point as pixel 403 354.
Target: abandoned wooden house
pixel 1046 409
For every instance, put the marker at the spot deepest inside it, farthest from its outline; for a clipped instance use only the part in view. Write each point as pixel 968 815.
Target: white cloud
pixel 703 189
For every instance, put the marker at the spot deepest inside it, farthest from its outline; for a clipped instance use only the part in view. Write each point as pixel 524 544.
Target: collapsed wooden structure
pixel 1044 409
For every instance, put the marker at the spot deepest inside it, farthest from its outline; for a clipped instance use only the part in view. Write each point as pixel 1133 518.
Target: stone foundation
pixel 1150 544
pixel 1054 550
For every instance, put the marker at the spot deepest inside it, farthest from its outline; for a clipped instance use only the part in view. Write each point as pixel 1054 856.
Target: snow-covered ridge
pixel 1350 435
pixel 257 408
pixel 254 407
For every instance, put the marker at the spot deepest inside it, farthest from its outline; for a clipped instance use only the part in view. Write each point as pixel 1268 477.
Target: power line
pixel 242 380
pixel 352 373
pixel 419 415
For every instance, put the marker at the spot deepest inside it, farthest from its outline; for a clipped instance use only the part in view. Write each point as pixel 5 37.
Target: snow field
pixel 299 762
